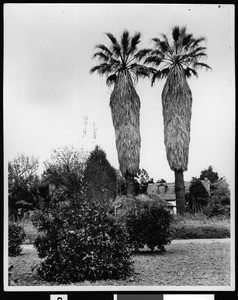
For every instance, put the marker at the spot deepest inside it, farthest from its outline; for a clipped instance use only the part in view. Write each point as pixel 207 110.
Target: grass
pixel 199 226
pixel 183 264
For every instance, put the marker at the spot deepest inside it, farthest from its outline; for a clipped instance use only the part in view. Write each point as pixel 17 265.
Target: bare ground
pixel 185 263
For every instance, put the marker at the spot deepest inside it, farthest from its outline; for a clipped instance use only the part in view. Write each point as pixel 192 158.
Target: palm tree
pixel 119 64
pixel 176 62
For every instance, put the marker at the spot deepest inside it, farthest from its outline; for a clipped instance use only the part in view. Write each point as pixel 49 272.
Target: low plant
pixel 202 231
pixel 79 240
pixel 200 226
pixel 16 236
pixel 148 223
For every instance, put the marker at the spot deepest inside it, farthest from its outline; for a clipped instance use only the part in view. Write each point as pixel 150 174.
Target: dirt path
pixel 30 247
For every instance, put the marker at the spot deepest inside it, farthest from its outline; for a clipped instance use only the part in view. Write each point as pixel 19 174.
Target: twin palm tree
pixel 174 61
pixel 119 64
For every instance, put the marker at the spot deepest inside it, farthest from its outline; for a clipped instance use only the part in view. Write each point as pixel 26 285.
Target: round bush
pixel 148 222
pixel 80 241
pixel 16 236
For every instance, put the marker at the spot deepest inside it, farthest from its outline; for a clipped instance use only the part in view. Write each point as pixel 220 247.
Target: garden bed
pixel 183 264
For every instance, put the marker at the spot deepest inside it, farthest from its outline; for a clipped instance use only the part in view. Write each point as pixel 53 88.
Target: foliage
pixel 65 169
pixel 148 222
pixel 16 236
pixel 121 184
pixel 210 174
pixel 200 226
pixel 100 177
pixel 22 184
pixel 142 178
pixel 201 231
pixel 119 57
pixel 161 181
pixel 79 240
pixel 219 202
pixel 197 197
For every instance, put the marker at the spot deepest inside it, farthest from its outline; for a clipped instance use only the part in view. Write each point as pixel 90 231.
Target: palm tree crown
pixel 120 58
pixel 184 52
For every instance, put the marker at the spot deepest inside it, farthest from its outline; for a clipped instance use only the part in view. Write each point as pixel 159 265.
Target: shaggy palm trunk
pixel 180 191
pixel 177 111
pixel 125 109
pixel 130 184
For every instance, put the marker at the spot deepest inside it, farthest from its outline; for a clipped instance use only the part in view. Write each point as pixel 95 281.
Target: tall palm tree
pixel 120 65
pixel 176 61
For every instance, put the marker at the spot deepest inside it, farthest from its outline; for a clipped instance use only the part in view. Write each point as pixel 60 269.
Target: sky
pixel 51 100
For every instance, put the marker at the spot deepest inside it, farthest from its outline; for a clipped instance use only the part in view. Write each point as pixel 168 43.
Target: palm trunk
pixel 130 184
pixel 180 192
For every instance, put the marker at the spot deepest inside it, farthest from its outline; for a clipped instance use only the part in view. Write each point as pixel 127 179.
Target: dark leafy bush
pixel 148 222
pixel 100 177
pixel 16 236
pixel 219 202
pixel 197 197
pixel 79 240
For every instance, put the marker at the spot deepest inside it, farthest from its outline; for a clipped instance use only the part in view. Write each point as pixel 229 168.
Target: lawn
pixel 183 264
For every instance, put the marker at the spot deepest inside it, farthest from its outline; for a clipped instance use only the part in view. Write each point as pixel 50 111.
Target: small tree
pixel 219 202
pixel 197 196
pixel 142 178
pixel 22 184
pixel 210 174
pixel 65 169
pixel 100 177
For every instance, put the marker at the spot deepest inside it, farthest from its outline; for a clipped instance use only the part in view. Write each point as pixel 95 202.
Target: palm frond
pixel 125 42
pixel 165 38
pixel 102 69
pixel 187 39
pixel 156 60
pixel 175 33
pixel 157 52
pixel 201 65
pixel 135 40
pixel 140 70
pixel 115 48
pixel 197 51
pixel 112 38
pixel 104 48
pixel 182 32
pixel 111 79
pixel 142 54
pixel 160 75
pixel 101 56
pixel 164 46
pixel 189 72
pixel 197 41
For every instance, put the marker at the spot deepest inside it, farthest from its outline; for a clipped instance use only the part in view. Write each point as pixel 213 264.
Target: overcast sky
pixel 48 91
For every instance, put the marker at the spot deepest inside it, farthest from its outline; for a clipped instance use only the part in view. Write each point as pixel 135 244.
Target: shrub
pixel 200 226
pixel 79 240
pixel 197 197
pixel 203 231
pixel 148 222
pixel 16 236
pixel 219 202
pixel 100 177
pixel 22 185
